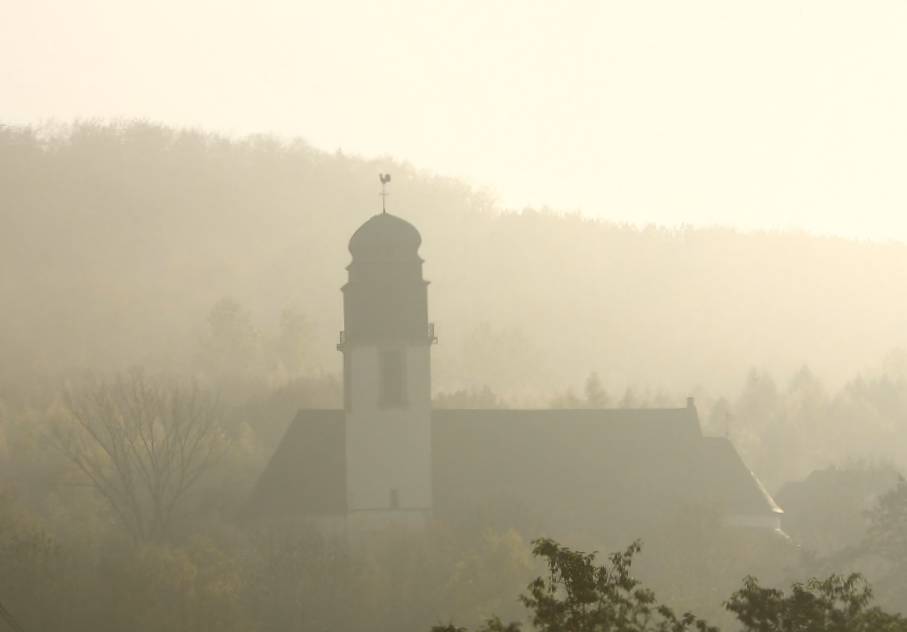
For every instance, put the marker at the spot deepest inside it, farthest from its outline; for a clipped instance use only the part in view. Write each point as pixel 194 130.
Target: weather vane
pixel 384 178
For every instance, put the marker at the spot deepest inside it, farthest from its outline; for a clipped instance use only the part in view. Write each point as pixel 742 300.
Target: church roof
pixel 385 237
pixel 594 467
pixel 307 474
pixel 728 482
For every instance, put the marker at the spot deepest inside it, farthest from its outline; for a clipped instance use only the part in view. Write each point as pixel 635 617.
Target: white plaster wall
pixel 389 448
pixel 361 522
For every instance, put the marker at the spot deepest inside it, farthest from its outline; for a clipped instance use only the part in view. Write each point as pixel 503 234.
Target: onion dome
pixel 385 237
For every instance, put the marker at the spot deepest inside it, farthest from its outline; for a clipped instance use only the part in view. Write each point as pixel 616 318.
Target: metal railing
pixel 432 337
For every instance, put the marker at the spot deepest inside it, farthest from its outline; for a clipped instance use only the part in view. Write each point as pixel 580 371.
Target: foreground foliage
pixel 835 604
pixel 580 596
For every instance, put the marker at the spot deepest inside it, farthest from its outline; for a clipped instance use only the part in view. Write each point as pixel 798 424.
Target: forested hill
pixel 117 240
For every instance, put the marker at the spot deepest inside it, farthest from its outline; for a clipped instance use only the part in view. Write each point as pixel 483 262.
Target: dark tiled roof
pixel 307 474
pixel 727 482
pixel 582 466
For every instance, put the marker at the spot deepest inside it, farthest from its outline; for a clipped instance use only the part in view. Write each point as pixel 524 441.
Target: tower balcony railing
pixel 431 337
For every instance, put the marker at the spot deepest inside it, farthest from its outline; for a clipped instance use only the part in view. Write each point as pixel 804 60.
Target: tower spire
pixel 384 178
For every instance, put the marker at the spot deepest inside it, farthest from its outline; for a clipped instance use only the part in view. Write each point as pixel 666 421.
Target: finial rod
pixel 384 178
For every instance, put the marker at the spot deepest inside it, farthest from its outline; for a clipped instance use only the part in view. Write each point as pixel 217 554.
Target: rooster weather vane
pixel 384 178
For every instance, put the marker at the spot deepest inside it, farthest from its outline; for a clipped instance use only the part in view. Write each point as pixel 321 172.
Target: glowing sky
pixel 754 114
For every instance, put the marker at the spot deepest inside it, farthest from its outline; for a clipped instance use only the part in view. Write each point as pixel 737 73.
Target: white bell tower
pixel 386 346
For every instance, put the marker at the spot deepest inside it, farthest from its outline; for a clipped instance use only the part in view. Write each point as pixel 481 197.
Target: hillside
pixel 117 240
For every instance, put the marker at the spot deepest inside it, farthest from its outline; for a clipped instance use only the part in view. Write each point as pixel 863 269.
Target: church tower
pixel 386 344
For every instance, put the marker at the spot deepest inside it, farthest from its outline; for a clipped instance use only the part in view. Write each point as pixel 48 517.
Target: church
pixel 387 460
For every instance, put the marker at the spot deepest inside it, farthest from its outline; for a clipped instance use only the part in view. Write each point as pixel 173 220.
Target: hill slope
pixel 116 240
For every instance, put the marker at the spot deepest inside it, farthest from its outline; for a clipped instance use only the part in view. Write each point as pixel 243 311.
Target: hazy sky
pixel 755 114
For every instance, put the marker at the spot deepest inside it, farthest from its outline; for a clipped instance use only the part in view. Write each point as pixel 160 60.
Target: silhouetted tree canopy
pixel 581 596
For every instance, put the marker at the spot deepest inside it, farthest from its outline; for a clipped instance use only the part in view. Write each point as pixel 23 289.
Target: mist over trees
pixel 135 231
pixel 129 244
pixel 212 266
pixel 143 444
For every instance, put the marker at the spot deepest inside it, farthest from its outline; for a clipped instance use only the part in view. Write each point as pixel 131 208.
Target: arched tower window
pixel 395 499
pixel 392 378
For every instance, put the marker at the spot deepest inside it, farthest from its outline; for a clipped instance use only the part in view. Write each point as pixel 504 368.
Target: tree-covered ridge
pixel 134 231
pixel 135 244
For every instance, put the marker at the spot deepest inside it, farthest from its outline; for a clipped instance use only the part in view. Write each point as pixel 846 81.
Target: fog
pixel 388 316
pixel 766 116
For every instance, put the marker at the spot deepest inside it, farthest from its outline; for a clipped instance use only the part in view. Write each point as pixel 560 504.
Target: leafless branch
pixel 143 444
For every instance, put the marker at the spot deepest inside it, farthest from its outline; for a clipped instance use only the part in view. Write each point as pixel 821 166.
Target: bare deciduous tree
pixel 142 443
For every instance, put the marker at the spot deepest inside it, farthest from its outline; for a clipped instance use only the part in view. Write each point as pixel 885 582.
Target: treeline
pixel 132 244
pixel 787 428
pixel 116 240
pixel 83 545
pixel 217 262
